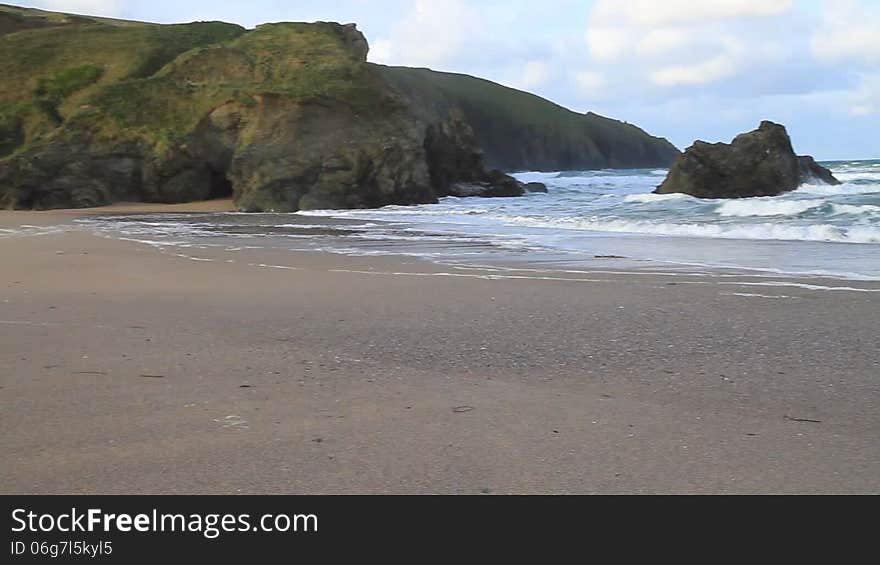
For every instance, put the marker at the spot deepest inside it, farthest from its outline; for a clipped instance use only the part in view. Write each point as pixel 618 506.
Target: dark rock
pixel 813 172
pixel 758 163
pixel 355 42
pixel 496 184
pixel 535 187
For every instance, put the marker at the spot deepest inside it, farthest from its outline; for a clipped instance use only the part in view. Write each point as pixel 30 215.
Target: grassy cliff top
pixel 124 79
pixel 55 65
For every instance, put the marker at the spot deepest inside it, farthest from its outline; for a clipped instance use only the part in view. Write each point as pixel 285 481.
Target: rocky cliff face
pixel 284 117
pixel 519 131
pixel 758 163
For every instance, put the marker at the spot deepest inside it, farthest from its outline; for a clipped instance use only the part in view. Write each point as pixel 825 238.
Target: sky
pixel 680 69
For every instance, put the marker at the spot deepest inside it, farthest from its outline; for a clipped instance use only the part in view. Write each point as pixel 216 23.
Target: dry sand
pixel 127 370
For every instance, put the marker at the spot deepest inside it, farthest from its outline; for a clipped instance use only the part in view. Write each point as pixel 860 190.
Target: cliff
pixel 519 131
pixel 283 117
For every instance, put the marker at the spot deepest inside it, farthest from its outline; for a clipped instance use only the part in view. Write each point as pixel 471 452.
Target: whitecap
pixel 840 209
pixel 651 197
pixel 766 207
pixel 841 189
pixel 762 231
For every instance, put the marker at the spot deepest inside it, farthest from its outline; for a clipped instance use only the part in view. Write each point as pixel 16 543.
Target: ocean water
pixel 588 218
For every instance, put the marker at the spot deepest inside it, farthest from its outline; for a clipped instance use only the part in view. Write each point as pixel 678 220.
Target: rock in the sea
pixel 813 172
pixel 758 163
pixel 497 184
pixel 535 187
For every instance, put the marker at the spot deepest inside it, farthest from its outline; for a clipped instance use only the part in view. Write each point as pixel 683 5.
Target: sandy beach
pixel 126 369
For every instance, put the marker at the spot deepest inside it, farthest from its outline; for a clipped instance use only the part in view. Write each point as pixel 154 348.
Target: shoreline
pixel 142 371
pixel 555 261
pixel 65 215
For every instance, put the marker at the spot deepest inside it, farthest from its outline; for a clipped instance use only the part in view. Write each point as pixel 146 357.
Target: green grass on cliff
pixel 156 82
pixel 121 81
pixel 51 72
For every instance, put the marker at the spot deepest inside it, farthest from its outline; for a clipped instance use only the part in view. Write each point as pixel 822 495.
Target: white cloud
pixel 652 13
pixel 535 74
pixel 382 50
pixel 608 43
pixel 662 41
pixel 430 34
pixel 702 72
pixel 680 42
pixel 850 31
pixel 107 8
pixel 865 100
pixel 590 81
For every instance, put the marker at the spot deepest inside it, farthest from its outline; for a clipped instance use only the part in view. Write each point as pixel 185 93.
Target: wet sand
pixel 125 369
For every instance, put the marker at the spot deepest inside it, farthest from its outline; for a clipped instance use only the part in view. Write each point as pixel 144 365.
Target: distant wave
pixel 767 207
pixel 761 231
pixel 845 177
pixel 651 197
pixel 837 209
pixel 843 189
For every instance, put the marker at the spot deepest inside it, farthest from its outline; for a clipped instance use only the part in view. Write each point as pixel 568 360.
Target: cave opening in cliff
pixel 221 186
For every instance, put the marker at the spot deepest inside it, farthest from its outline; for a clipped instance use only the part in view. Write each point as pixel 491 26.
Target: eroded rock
pixel 758 163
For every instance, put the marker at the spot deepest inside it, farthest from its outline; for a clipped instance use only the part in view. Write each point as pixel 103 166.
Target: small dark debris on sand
pixel 90 373
pixel 152 376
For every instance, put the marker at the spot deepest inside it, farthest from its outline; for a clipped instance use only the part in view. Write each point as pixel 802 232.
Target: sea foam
pixel 767 207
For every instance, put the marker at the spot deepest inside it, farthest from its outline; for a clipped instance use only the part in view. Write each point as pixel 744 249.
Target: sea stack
pixel 758 163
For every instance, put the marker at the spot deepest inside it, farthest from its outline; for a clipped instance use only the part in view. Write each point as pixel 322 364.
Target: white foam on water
pixel 845 177
pixel 534 176
pixel 838 190
pixel 850 209
pixel 467 276
pixel 762 231
pixel 651 197
pixel 767 207
pixel 753 295
pixel 804 285
pixel 26 230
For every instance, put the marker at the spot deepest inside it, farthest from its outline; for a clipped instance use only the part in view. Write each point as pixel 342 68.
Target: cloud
pixel 535 74
pixel 429 34
pixel 703 72
pixel 865 100
pixel 653 13
pixel 608 43
pixel 676 43
pixel 590 81
pixel 851 31
pixel 109 8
